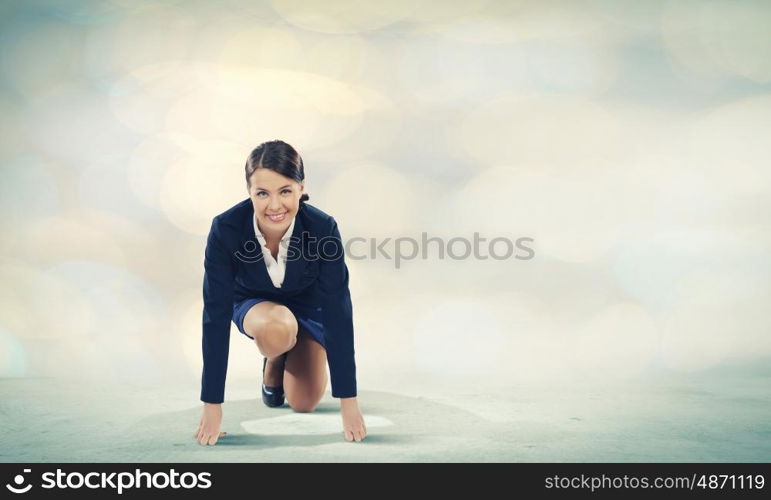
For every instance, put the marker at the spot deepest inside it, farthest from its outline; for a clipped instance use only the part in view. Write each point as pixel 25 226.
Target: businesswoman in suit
pixel 274 265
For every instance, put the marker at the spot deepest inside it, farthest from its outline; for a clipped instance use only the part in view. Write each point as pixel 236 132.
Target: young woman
pixel 274 265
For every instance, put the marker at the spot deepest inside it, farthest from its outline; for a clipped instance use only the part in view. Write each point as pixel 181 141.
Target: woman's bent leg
pixel 274 329
pixel 305 373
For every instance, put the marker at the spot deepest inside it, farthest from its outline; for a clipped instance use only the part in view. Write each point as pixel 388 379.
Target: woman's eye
pixel 261 193
pixel 286 191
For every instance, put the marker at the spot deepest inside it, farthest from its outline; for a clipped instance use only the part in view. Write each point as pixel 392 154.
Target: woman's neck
pixel 272 237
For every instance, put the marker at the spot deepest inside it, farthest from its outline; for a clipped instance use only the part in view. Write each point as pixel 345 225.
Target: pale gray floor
pixel 723 415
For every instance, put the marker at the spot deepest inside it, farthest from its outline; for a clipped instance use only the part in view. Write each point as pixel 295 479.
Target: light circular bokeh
pixel 730 145
pixel 268 46
pixel 533 351
pixel 141 98
pixel 669 268
pixel 629 140
pixel 459 338
pixel 38 304
pixel 73 126
pixel 124 305
pixel 13 357
pixel 29 189
pixel 249 105
pixel 370 201
pixel 342 16
pixel 622 339
pixel 719 37
pixel 203 183
pixel 509 22
pixel 571 217
pixel 438 70
pixel 148 34
pixel 74 234
pixel 697 337
pixel 30 63
pixel 543 131
pixel 147 164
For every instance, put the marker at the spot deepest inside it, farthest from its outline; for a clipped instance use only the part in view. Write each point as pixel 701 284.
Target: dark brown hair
pixel 279 157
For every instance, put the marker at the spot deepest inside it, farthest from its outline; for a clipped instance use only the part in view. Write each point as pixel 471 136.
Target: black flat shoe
pixel 273 397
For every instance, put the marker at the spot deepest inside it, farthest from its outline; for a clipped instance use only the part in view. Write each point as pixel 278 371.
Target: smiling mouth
pixel 276 218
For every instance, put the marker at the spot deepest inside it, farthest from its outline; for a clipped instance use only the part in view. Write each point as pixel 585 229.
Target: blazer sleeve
pixel 218 284
pixel 337 314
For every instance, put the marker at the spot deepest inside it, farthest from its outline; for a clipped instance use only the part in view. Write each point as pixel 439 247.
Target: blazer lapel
pixel 295 263
pixel 250 254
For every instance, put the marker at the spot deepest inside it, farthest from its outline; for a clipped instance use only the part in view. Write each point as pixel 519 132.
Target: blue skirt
pixel 307 317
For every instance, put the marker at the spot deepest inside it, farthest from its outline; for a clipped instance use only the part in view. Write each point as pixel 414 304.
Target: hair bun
pixel 304 198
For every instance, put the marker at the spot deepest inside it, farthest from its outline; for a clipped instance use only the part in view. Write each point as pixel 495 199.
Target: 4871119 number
pixel 731 481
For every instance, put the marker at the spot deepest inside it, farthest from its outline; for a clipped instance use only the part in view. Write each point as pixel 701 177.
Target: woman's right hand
pixel 209 427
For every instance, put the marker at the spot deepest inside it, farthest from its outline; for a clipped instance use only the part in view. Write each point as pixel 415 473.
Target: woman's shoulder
pixel 315 219
pixel 313 213
pixel 232 220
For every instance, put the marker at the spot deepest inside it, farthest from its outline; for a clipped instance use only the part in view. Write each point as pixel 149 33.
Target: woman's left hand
pixel 353 421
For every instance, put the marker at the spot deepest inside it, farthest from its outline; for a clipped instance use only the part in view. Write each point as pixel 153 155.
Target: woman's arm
pixel 337 317
pixel 218 285
pixel 337 313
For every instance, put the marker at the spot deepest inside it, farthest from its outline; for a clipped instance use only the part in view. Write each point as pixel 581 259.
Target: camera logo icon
pixel 19 481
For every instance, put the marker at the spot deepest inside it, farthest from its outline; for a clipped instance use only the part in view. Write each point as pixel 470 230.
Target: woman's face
pixel 276 199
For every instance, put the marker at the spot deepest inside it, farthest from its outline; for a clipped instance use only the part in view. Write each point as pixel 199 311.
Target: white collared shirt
pixel 276 269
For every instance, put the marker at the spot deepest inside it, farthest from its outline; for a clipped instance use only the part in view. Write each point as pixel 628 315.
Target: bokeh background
pixel 629 139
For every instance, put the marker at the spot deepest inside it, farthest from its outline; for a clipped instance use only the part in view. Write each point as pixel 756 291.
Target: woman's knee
pixel 306 405
pixel 277 335
pixel 274 329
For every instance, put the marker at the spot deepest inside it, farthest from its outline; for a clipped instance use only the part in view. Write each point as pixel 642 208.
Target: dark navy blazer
pixel 316 276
